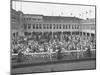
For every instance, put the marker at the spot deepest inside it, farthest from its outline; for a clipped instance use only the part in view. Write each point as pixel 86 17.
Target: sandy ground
pixel 78 65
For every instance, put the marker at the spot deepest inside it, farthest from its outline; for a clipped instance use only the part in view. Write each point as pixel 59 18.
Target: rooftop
pixel 60 19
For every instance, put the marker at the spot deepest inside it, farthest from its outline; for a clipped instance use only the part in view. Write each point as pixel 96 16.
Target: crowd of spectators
pixel 64 43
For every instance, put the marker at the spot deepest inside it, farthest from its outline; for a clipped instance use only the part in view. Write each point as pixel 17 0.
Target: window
pixel 44 27
pixel 39 19
pixel 66 26
pixel 13 17
pixel 33 26
pixel 29 18
pixel 78 27
pixel 53 26
pixel 50 26
pixel 63 26
pixel 57 26
pixel 25 26
pixel 75 26
pixel 47 26
pixel 29 26
pixel 33 19
pixel 69 26
pixel 60 26
pixel 40 26
pixel 36 26
pixel 24 18
pixel 72 26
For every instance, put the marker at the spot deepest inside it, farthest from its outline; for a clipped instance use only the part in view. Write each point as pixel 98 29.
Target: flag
pixel 90 11
pixel 61 13
pixel 71 14
pixel 86 12
pixel 79 14
pixel 52 13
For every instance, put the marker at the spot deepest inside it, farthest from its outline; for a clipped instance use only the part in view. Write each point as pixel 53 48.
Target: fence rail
pixel 53 52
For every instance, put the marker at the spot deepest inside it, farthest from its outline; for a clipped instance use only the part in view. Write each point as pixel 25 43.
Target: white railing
pixel 43 53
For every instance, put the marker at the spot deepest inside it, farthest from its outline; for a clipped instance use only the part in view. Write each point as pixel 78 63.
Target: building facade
pixel 53 24
pixel 16 22
pixel 88 26
pixel 30 24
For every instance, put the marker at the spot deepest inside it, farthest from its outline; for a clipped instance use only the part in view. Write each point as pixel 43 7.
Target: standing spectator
pixel 88 52
pixel 20 56
pixel 59 56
